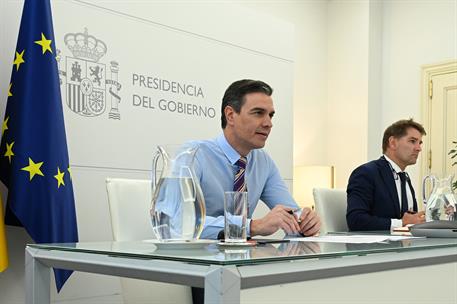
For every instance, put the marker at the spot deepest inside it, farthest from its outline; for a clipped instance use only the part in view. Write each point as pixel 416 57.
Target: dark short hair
pixel 399 129
pixel 235 93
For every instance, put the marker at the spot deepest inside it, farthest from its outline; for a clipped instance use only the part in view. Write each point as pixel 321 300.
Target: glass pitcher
pixel 441 204
pixel 177 207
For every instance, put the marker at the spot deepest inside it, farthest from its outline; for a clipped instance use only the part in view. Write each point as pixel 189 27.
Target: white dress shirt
pixel 398 222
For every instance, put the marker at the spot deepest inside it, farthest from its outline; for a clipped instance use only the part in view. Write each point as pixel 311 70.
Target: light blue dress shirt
pixel 215 167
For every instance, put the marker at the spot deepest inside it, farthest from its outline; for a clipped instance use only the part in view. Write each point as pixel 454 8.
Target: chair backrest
pixel 331 207
pixel 129 203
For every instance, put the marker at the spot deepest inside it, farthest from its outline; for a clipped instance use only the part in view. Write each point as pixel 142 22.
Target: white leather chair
pixel 129 202
pixel 331 207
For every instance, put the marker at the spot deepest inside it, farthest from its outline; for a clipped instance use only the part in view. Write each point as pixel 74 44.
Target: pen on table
pixel 298 220
pixel 269 241
pixel 292 212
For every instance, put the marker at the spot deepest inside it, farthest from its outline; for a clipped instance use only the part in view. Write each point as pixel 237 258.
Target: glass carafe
pixel 441 204
pixel 177 207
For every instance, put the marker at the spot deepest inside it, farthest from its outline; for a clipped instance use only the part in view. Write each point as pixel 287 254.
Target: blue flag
pixel 34 163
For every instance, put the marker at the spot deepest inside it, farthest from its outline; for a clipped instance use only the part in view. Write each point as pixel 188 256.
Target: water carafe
pixel 178 206
pixel 441 204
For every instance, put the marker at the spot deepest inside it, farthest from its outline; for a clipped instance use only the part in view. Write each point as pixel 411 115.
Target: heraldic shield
pixel 85 90
pixel 86 87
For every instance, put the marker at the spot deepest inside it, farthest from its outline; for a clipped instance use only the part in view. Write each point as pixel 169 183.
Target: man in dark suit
pixel 380 195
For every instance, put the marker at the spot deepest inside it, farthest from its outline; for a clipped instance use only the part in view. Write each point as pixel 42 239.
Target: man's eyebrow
pixel 257 109
pixel 261 109
pixel 415 138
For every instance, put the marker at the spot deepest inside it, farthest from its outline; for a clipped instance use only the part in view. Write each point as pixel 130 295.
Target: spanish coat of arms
pixel 86 84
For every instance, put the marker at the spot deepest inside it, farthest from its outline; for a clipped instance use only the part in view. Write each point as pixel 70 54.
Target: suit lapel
pixel 387 176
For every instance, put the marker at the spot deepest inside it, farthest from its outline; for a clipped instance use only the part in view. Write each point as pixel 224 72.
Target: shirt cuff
pixel 395 223
pixel 210 233
pixel 248 227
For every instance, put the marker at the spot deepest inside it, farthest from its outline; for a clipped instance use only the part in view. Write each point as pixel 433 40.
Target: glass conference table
pixel 223 271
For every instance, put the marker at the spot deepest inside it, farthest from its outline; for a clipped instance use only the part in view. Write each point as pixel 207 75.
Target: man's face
pixel 250 128
pixel 406 149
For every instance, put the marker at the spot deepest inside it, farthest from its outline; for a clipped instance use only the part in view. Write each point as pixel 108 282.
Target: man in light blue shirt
pixel 247 112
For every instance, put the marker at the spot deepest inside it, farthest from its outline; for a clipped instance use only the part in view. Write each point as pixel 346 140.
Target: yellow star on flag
pixel 33 168
pixel 9 90
pixel 45 44
pixel 59 178
pixel 9 151
pixel 18 60
pixel 5 125
pixel 69 171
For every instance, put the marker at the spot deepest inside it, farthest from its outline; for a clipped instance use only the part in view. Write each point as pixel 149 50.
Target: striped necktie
pixel 239 185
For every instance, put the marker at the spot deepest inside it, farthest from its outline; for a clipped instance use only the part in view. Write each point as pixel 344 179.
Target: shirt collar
pixel 232 155
pixel 393 164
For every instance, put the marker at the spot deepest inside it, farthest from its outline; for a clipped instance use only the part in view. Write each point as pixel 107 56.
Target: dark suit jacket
pixel 372 197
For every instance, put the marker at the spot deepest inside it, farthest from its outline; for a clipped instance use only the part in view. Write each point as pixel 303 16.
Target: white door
pixel 440 119
pixel 443 128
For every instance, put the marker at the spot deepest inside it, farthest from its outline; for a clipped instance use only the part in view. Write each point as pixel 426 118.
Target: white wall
pixel 415 33
pixel 348 66
pixel 310 74
pixel 375 127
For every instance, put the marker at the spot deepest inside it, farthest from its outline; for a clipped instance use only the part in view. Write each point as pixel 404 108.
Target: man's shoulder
pixel 206 148
pixel 366 175
pixel 369 168
pixel 374 164
pixel 201 143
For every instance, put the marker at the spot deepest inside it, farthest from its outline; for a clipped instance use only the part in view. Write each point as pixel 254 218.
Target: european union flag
pixel 34 163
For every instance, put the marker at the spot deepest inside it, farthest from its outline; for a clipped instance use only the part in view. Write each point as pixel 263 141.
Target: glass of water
pixel 235 214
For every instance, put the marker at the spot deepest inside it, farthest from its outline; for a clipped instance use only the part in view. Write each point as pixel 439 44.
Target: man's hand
pixel 449 210
pixel 310 223
pixel 278 218
pixel 413 218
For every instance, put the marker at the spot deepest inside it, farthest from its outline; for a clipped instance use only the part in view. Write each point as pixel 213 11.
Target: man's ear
pixel 392 143
pixel 229 113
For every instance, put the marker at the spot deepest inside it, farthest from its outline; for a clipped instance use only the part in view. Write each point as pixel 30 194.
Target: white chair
pixel 331 207
pixel 129 202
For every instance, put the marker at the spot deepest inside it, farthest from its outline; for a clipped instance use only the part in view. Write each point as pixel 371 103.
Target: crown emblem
pixel 85 46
